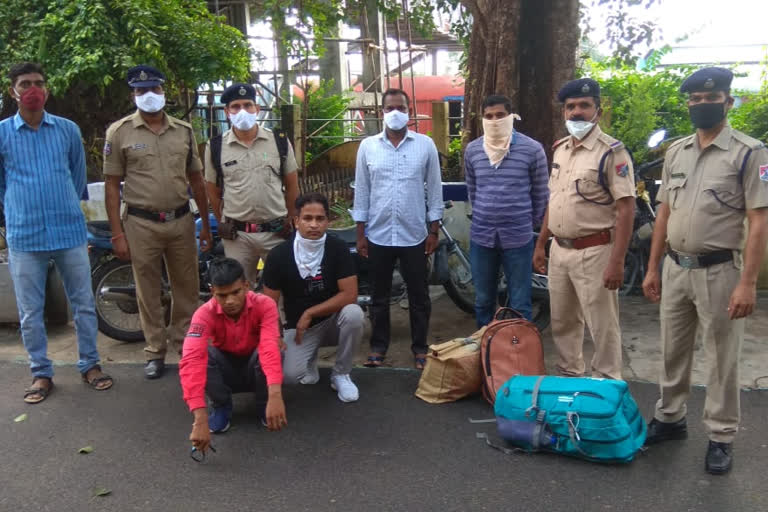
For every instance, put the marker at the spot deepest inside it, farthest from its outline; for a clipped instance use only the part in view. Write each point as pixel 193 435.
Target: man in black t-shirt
pixel 316 276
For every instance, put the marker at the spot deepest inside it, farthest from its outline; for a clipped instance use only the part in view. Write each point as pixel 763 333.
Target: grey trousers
pixel 344 328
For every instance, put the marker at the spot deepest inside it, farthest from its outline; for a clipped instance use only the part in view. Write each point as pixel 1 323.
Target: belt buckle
pixel 166 216
pixel 565 242
pixel 687 261
pixel 252 228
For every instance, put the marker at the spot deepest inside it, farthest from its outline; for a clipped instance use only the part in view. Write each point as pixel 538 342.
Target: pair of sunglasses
pixel 198 455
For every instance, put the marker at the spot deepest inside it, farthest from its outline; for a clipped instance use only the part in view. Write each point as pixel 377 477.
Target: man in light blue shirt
pixel 392 170
pixel 42 177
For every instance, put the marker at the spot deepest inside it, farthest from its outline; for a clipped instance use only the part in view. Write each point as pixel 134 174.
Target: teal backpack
pixel 592 419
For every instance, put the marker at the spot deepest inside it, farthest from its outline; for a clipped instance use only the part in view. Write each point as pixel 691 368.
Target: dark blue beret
pixel 238 92
pixel 708 79
pixel 580 88
pixel 145 76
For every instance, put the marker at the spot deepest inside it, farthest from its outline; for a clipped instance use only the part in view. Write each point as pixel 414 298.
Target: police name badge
pixel 764 172
pixel 622 169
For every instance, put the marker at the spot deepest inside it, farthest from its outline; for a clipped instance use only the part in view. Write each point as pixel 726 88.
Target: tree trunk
pixel 525 50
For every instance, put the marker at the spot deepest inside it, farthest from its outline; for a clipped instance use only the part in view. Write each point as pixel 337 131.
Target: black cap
pixel 580 88
pixel 238 92
pixel 708 79
pixel 145 76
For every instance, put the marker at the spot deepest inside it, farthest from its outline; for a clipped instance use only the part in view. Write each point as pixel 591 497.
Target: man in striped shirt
pixel 506 174
pixel 42 176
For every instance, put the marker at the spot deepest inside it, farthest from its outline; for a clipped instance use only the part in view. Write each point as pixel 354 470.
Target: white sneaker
pixel 347 391
pixel 313 374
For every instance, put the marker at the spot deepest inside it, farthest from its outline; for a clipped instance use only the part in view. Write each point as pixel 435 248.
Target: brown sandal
pixel 100 383
pixel 36 394
pixel 420 361
pixel 375 360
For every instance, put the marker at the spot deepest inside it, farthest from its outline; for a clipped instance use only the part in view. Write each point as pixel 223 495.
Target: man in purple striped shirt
pixel 507 177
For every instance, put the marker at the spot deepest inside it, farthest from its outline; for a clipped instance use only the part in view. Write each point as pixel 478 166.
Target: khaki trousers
pixel 247 248
pixel 577 294
pixel 150 244
pixel 697 301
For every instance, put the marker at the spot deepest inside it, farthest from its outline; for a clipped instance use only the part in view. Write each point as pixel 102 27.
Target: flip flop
pixel 35 394
pixel 420 361
pixel 374 360
pixel 96 382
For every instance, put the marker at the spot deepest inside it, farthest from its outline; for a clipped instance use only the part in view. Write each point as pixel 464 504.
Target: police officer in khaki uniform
pixel 156 157
pixel 590 213
pixel 712 180
pixel 254 214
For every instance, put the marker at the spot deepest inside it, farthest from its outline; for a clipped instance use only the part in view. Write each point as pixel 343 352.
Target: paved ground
pixel 639 320
pixel 390 451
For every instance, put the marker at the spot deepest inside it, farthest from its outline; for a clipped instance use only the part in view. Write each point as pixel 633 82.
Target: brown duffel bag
pixel 511 345
pixel 452 370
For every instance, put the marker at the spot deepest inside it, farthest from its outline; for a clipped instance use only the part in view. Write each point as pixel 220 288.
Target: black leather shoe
pixel 719 458
pixel 154 369
pixel 659 431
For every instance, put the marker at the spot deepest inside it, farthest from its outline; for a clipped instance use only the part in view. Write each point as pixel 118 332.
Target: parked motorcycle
pixel 114 287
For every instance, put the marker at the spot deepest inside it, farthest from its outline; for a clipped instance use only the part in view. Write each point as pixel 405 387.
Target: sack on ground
pixel 511 345
pixel 592 419
pixel 452 370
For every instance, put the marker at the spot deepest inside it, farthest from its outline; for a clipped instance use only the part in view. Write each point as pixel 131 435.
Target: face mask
pixel 580 129
pixel 706 115
pixel 150 102
pixel 396 120
pixel 244 120
pixel 32 98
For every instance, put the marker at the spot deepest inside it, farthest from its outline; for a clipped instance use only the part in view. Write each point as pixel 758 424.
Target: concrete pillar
pixel 290 119
pixel 440 126
pixel 333 64
pixel 372 27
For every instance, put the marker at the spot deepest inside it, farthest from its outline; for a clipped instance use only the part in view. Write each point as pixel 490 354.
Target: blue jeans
pixel 29 271
pixel 518 266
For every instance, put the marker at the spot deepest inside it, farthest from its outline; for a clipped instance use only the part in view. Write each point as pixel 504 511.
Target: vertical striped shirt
pixel 389 189
pixel 42 177
pixel 510 199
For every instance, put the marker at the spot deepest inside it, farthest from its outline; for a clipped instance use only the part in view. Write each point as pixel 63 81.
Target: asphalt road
pixel 389 451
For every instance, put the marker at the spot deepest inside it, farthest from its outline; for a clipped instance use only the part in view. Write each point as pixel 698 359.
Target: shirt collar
pixel 383 135
pixel 229 136
pixel 18 121
pixel 137 120
pixel 722 140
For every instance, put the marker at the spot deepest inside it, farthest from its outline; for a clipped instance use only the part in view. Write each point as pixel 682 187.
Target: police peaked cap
pixel 238 92
pixel 145 76
pixel 580 88
pixel 708 79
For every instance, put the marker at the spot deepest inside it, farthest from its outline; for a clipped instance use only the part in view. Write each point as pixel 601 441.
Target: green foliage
pixel 638 102
pixel 623 32
pixel 751 117
pixel 340 216
pixel 452 163
pixel 322 105
pixel 94 42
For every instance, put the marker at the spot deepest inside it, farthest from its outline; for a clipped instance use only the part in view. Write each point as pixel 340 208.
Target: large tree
pixel 524 50
pixel 86 46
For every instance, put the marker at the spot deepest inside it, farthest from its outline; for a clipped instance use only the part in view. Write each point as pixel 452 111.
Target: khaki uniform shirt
pixel 154 166
pixel 253 189
pixel 578 204
pixel 707 191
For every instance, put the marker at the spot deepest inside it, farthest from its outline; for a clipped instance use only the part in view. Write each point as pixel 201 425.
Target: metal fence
pixel 334 184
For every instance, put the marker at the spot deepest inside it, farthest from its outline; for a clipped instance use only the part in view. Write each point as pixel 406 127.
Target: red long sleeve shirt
pixel 256 329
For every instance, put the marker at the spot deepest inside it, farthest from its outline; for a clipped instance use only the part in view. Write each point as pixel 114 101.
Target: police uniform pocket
pixel 675 187
pixel 722 196
pixel 139 156
pixel 589 188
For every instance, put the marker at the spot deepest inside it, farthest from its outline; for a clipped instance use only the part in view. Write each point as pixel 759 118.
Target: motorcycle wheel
pixel 120 319
pixel 631 273
pixel 459 285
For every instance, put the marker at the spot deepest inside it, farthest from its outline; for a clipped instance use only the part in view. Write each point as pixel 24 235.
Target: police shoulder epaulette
pixel 182 123
pixel 613 144
pixel 681 142
pixel 558 142
pixel 117 124
pixel 745 139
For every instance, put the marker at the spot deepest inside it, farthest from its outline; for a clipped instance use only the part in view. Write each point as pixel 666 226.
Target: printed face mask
pixel 150 102
pixel 396 120
pixel 244 120
pixel 33 98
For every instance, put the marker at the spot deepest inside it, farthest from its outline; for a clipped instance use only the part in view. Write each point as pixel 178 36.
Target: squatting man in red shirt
pixel 232 346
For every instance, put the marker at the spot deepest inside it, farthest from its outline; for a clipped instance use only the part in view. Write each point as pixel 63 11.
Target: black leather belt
pixel 163 216
pixel 273 226
pixel 691 261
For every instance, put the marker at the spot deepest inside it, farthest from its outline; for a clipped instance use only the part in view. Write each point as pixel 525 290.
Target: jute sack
pixel 453 370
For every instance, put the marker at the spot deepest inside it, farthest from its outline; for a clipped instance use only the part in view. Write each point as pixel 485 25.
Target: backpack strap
pixel 215 145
